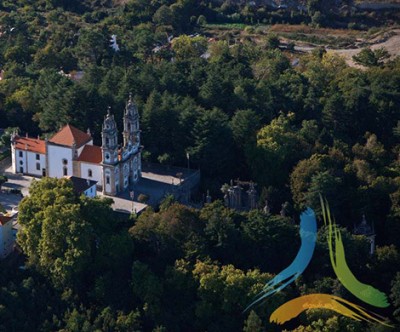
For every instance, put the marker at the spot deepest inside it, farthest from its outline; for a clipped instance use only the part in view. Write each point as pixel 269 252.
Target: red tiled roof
pixel 69 135
pixel 91 154
pixel 4 220
pixel 30 144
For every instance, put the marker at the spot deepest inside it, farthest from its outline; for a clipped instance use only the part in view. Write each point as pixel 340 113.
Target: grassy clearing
pixel 378 1
pixel 227 26
pixel 330 41
pixel 308 30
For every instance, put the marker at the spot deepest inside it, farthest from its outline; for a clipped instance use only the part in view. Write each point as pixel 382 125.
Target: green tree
pixel 202 20
pixel 5 139
pixel 270 65
pixel 55 96
pixel 244 126
pixel 53 236
pixel 187 48
pixel 162 127
pixel 213 148
pixel 253 323
pixel 395 295
pixel 265 237
pixel 280 147
pixel 148 289
pixel 325 184
pixel 91 47
pixel 163 16
pixel 220 230
pixel 301 177
pixel 143 198
pixel 317 19
pixel 273 42
pixel 371 58
pixel 224 292
pixel 170 234
pixel 384 265
pixel 3 179
pixel 167 202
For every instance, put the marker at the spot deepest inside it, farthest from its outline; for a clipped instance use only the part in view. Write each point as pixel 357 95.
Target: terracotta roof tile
pixel 91 154
pixel 4 220
pixel 30 144
pixel 69 135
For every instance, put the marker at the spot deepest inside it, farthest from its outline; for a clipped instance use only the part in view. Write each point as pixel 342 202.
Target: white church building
pixel 71 152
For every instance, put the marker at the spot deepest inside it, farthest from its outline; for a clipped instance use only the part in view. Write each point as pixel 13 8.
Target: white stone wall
pixel 13 161
pixel 27 162
pixel 6 239
pixel 56 154
pixel 107 186
pixel 96 172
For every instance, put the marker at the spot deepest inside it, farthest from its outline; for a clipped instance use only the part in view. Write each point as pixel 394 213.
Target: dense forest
pixel 299 125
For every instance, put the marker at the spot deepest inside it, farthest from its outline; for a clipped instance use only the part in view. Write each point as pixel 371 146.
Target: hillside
pixel 258 100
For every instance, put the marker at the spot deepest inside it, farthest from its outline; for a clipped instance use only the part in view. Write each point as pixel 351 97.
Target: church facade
pixel 71 152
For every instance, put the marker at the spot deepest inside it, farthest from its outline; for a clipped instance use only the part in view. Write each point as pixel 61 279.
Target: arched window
pixel 90 173
pixel 65 162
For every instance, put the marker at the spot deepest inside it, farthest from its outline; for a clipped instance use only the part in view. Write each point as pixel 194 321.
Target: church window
pixel 65 161
pixel 21 162
pixel 90 173
pixel 38 166
pixel 20 153
pixel 37 156
pixel 107 156
pixel 108 180
pixel 65 171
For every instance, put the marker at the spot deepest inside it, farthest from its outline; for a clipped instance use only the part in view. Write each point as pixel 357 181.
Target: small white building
pixel 29 156
pixel 6 236
pixel 71 152
pixel 82 186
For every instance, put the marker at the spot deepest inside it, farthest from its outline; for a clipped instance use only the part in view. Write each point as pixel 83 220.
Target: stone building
pixel 71 152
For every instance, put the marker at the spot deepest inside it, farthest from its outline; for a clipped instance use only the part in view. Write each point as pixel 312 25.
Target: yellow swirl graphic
pixel 296 306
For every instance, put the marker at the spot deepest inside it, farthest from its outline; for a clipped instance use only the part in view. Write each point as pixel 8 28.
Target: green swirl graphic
pixel 364 292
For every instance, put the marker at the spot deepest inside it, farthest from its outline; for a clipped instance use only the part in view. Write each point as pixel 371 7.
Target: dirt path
pixel 391 44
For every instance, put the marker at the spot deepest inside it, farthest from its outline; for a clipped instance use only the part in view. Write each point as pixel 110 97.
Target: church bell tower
pixel 131 126
pixel 131 135
pixel 109 150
